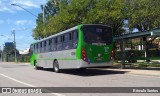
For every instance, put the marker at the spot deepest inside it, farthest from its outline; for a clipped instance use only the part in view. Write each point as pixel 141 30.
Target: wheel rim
pixel 56 67
pixel 35 65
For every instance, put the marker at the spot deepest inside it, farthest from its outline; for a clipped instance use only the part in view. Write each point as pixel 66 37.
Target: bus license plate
pixel 98 59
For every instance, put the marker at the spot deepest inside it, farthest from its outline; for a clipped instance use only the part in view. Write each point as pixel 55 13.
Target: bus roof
pixel 65 31
pixel 49 37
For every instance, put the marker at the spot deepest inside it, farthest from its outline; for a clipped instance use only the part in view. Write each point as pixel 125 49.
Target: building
pixel 26 51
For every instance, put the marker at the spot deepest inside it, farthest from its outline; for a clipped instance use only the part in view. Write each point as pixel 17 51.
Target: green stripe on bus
pixel 60 59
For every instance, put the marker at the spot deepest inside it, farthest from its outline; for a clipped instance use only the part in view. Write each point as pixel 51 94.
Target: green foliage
pixel 130 54
pixel 9 50
pixel 24 58
pixel 64 14
pixel 9 53
pixel 154 53
pixel 146 14
pixel 138 55
pixel 108 12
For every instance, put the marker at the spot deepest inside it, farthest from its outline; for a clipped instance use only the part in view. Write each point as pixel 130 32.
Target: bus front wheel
pixel 35 66
pixel 56 66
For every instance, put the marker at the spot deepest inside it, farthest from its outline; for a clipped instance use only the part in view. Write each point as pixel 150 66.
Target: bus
pixel 83 46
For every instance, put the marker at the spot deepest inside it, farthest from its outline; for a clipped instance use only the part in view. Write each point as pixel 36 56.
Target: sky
pixel 16 18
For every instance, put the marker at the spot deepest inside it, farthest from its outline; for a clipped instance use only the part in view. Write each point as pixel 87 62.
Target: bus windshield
pixel 97 34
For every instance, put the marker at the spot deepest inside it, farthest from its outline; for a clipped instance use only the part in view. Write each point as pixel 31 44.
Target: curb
pixel 155 73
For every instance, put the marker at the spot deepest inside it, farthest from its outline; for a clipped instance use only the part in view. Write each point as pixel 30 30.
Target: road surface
pixel 24 75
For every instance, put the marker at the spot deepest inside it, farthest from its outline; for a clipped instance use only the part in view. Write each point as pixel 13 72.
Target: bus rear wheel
pixel 81 69
pixel 56 67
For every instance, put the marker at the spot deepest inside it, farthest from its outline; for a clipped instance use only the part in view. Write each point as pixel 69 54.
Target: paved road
pixel 24 75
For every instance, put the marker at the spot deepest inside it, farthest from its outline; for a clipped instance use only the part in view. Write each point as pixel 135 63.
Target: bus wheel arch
pixel 56 66
pixel 35 62
pixel 35 65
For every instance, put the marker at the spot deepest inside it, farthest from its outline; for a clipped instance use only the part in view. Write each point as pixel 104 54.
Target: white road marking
pixel 57 94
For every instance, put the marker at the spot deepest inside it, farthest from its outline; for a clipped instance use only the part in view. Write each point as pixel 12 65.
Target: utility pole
pixel 15 54
pixel 24 9
pixel 1 53
pixel 43 15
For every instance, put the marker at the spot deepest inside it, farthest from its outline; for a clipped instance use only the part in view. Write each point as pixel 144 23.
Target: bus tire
pixel 56 66
pixel 35 66
pixel 82 69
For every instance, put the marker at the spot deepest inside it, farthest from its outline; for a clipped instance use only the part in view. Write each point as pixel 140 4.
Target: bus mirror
pixel 29 50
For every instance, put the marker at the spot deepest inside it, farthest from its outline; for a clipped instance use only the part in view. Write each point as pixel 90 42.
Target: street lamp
pixel 31 12
pixel 1 53
pixel 24 9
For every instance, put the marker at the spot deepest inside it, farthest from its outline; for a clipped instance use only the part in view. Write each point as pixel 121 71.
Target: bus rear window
pixel 97 34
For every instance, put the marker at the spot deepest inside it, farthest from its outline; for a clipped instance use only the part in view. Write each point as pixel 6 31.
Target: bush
pixel 154 53
pixel 131 55
pixel 134 55
pixel 24 58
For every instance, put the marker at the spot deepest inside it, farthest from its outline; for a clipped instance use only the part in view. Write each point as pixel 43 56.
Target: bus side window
pixel 36 48
pixel 70 40
pixel 75 38
pixel 39 47
pixel 42 48
pixel 45 46
pixel 53 44
pixel 31 49
pixel 49 44
pixel 65 41
pixel 59 43
pixel 70 36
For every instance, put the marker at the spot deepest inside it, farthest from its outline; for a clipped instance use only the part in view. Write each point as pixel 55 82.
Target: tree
pixel 146 15
pixel 108 12
pixel 64 14
pixel 51 10
pixel 8 51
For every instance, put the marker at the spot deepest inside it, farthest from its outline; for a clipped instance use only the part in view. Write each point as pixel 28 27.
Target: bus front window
pixel 97 34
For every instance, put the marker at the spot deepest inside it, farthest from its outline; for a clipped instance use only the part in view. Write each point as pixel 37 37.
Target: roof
pixel 154 32
pixel 73 28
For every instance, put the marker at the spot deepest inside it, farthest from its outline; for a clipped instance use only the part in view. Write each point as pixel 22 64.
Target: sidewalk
pixel 146 72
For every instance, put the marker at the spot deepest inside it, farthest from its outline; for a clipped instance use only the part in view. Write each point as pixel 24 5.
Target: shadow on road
pixel 90 72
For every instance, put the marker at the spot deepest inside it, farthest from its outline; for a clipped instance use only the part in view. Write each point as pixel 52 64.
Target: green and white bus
pixel 80 47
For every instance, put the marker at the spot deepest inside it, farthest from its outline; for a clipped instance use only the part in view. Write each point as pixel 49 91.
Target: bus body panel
pixel 33 58
pixel 69 58
pixel 98 54
pixel 83 64
pixel 65 59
